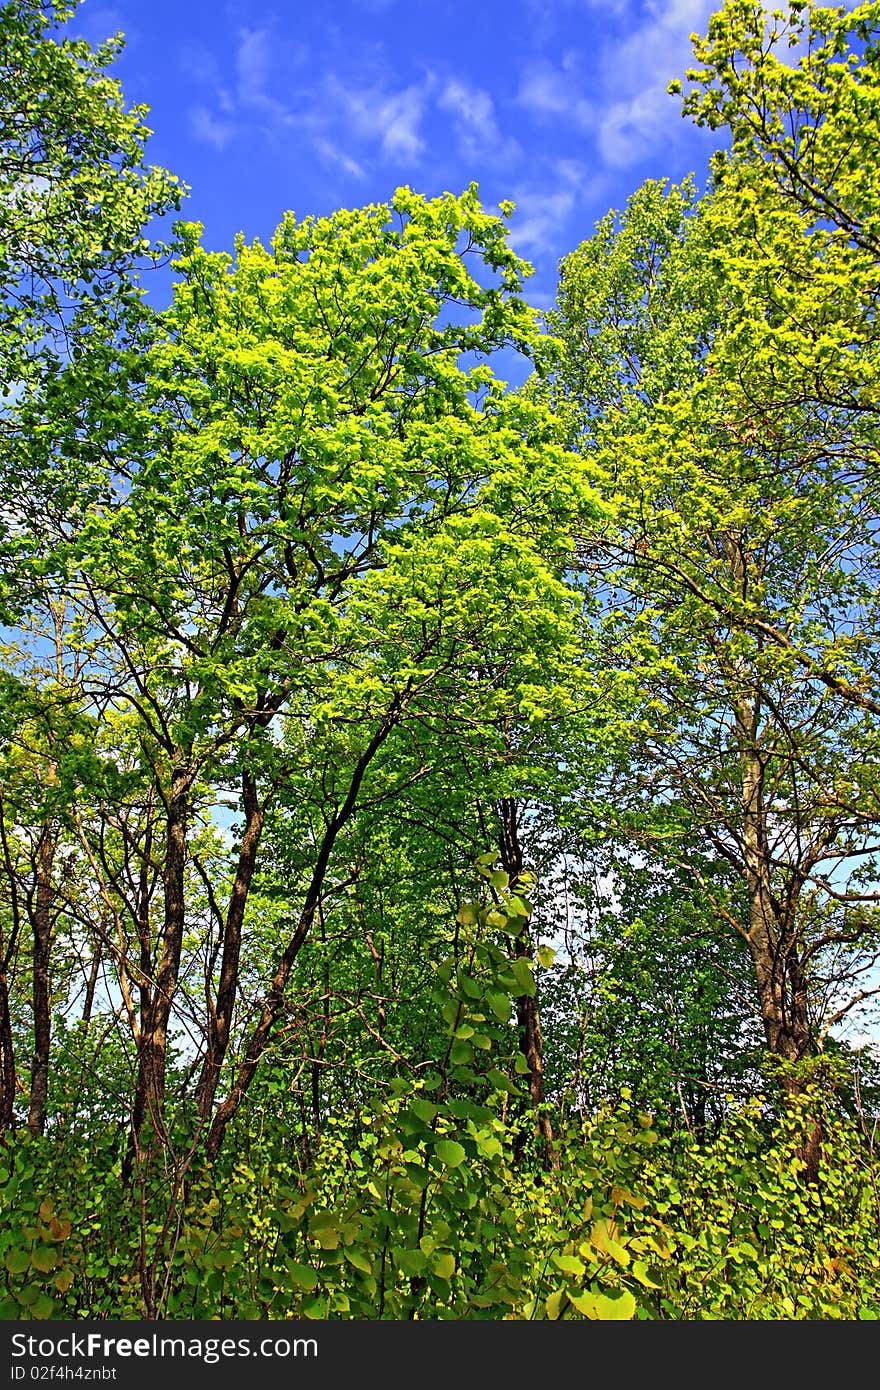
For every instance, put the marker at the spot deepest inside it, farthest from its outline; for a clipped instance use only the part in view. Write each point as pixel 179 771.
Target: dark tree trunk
pixel 8 1074
pixel 7 1058
pixel 528 1016
pixel 771 935
pixel 274 998
pixel 220 1020
pixel 157 1001
pixel 41 922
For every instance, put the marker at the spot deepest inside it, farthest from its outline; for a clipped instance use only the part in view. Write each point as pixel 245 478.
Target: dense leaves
pixel 439 823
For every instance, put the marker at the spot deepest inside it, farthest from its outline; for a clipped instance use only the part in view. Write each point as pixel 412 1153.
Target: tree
pixel 314 532
pixel 77 196
pixel 75 201
pixel 646 997
pixel 799 185
pixel 739 546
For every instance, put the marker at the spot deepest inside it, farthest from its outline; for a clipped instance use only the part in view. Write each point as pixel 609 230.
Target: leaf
pixel 43 1307
pixel 604 1242
pixel 501 1082
pixel 359 1259
pixel 419 1176
pixel 518 907
pixel 553 1304
pixel 489 1146
pixel 221 1258
pixel 412 1262
pixel 641 1272
pixel 468 985
pixel 44 1258
pixel 450 1152
pixel 325 1229
pixel 17 1261
pixel 605 1308
pixel 523 974
pixel 443 1264
pixel 499 1004
pixel 570 1264
pixel 546 956
pixel 301 1276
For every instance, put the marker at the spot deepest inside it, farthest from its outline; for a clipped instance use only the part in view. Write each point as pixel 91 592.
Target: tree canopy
pixel 439 821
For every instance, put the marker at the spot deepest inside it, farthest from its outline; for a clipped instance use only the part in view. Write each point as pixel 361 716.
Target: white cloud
pixel 198 65
pixel 253 68
pixel 640 67
pixel 629 130
pixel 96 26
pixel 577 174
pixel 211 129
pixel 540 218
pixel 540 225
pixel 252 64
pixel 227 109
pixel 398 120
pixel 547 91
pixel 476 128
pixel 330 153
pixel 658 49
pixel 473 106
pixel 390 119
pixel 628 109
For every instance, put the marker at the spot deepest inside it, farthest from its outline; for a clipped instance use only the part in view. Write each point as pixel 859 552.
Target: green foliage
pixel 75 194
pixel 416 1208
pixel 310 610
pixel 76 201
pixel 738 585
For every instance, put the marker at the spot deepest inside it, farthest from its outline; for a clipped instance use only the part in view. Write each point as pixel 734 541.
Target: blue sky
pixel 560 106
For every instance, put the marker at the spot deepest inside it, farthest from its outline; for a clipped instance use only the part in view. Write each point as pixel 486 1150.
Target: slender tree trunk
pixel 145 992
pixel 91 986
pixel 771 936
pixel 220 1021
pixel 41 922
pixel 158 1001
pixel 8 1075
pixel 781 986
pixel 528 1016
pixel 7 1057
pixel 274 998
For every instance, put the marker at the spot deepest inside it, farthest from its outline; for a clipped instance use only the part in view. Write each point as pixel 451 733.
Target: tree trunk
pixel 528 1017
pixel 41 922
pixel 220 1021
pixel 771 936
pixel 158 1001
pixel 8 1074
pixel 274 998
pixel 7 1058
